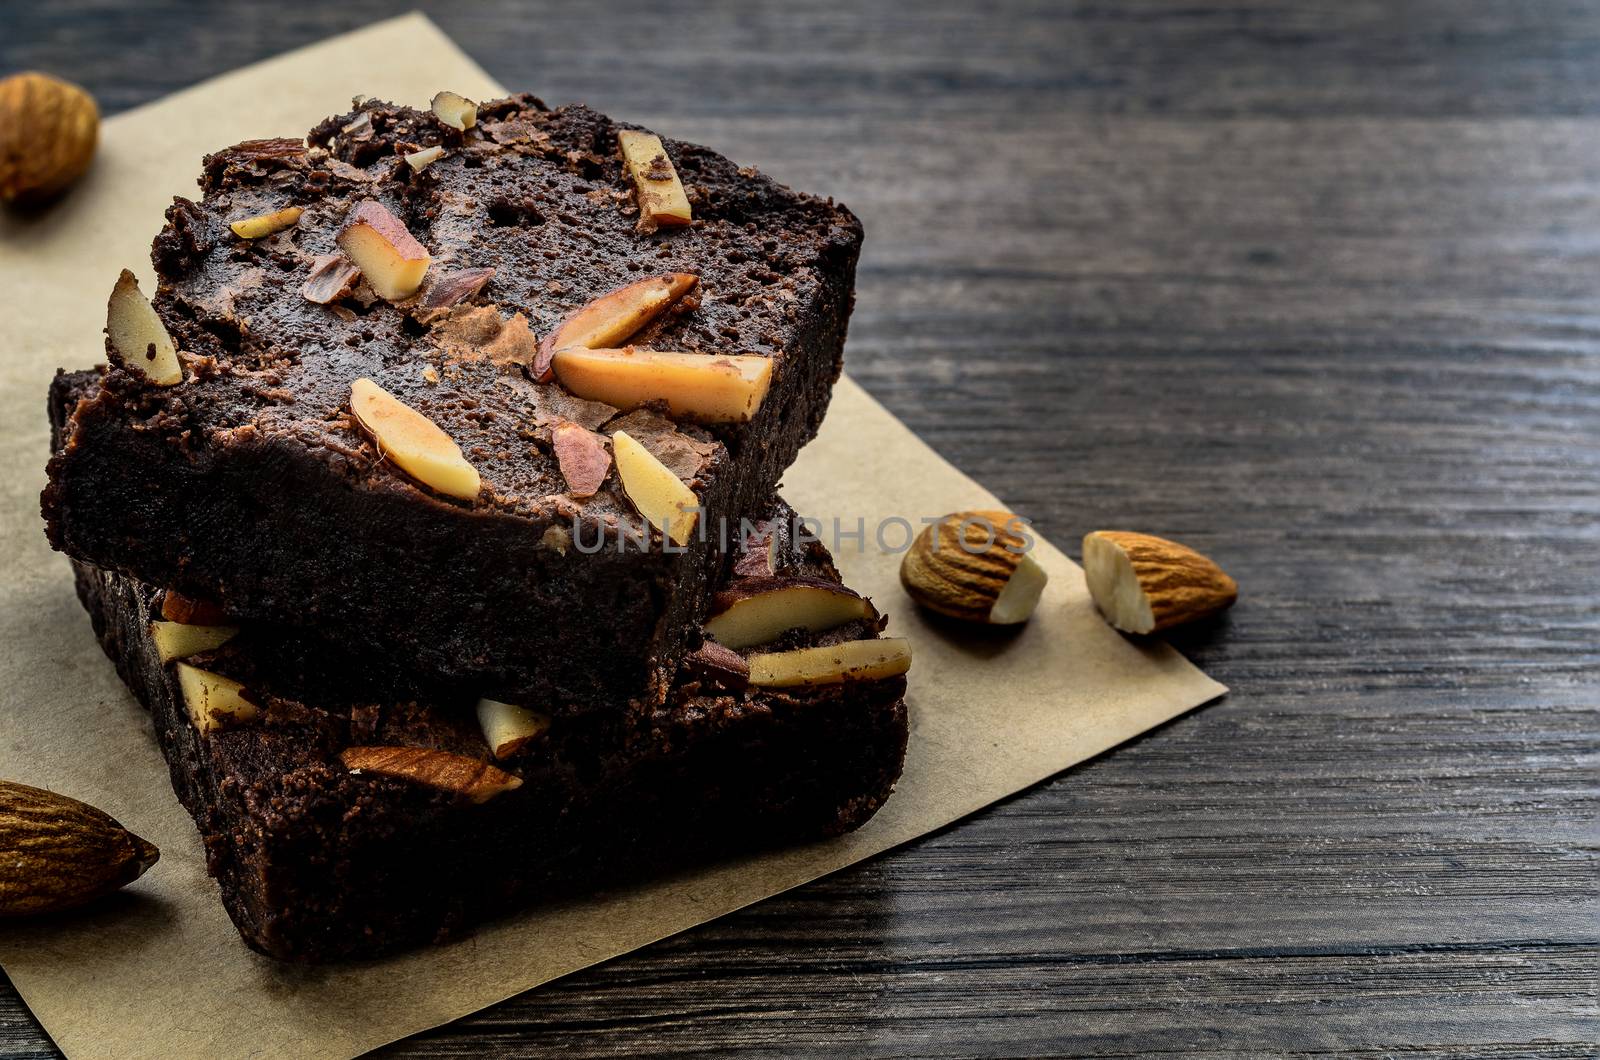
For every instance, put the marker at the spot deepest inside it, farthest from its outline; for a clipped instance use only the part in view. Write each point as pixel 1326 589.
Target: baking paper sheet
pixel 158 971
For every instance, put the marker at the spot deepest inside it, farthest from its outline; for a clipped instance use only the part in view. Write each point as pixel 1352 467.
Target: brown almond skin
pixel 453 287
pixel 582 456
pixel 940 573
pixel 176 607
pixel 719 665
pixel 48 132
pixel 467 777
pixel 1183 585
pixel 58 853
pixel 760 549
pixel 332 277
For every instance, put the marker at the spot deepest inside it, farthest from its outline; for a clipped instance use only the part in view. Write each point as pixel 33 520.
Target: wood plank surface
pixel 1309 285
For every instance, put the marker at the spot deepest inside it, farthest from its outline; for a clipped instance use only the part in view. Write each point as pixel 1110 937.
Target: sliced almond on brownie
pixel 704 387
pixel 138 337
pixel 415 443
pixel 658 494
pixel 388 255
pixel 474 780
pixel 614 317
pixel 662 200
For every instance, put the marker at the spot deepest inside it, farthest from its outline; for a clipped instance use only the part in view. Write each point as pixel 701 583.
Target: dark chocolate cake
pixel 339 825
pixel 253 483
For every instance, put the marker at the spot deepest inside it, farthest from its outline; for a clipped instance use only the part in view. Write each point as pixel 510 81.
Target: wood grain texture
pixel 1310 286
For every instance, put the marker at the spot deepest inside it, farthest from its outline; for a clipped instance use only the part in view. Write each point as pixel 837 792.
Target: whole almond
pixel 1144 584
pixel 48 131
pixel 57 853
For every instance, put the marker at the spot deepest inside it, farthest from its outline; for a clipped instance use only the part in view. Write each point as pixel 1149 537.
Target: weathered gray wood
pixel 1310 285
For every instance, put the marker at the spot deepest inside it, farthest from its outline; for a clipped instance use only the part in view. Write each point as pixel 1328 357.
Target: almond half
pixel 974 566
pixel 1144 584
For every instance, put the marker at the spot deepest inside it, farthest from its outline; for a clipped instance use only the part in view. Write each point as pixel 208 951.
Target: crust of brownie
pixel 318 863
pixel 250 486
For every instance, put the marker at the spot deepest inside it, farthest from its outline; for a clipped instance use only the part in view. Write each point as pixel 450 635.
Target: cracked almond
pixel 1145 584
pixel 974 566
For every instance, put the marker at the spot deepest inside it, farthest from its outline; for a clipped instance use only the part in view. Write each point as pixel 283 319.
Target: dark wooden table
pixel 1312 286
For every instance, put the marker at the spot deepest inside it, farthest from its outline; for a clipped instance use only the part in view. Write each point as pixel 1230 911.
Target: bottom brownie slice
pixel 338 827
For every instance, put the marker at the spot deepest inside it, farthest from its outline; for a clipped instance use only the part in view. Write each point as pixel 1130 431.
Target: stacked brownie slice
pixel 429 509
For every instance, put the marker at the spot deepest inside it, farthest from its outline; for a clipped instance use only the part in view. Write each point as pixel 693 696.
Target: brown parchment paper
pixel 158 969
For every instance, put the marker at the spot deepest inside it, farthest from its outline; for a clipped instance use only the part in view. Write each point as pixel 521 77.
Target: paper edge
pixel 339 40
pixel 962 818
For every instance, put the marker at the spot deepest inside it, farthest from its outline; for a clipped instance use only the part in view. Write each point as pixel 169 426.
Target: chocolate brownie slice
pixel 252 483
pixel 338 825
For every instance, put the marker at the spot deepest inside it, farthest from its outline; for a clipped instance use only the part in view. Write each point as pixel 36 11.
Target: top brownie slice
pixel 253 483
